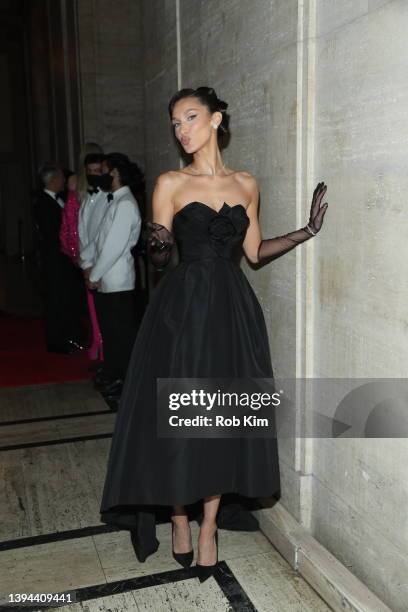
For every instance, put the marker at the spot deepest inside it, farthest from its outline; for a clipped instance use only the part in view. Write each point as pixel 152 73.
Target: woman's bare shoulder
pixel 244 176
pixel 166 183
pixel 169 178
pixel 248 182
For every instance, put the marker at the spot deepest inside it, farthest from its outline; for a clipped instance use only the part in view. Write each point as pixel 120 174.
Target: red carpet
pixel 25 361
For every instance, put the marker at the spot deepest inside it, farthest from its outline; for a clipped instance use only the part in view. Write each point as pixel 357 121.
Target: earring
pixel 214 126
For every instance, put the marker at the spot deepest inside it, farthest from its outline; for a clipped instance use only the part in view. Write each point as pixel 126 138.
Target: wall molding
pixel 305 256
pixel 336 585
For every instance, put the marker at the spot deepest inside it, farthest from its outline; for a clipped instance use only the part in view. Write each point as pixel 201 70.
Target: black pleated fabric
pixel 203 320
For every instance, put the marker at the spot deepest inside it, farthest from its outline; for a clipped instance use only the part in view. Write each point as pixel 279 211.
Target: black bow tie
pixel 59 195
pixel 110 196
pixel 92 191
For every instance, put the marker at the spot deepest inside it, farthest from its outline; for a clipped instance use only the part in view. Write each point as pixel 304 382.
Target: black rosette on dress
pixel 220 231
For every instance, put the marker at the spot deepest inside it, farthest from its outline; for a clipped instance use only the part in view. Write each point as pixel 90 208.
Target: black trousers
pixel 118 324
pixel 64 299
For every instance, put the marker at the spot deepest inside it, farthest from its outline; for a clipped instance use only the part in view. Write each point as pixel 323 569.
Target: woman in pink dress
pixel 69 241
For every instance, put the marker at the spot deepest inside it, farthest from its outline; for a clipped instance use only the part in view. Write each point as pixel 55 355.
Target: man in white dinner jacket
pixel 93 208
pixel 112 269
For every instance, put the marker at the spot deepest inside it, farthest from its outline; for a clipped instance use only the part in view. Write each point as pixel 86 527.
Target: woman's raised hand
pixel 317 212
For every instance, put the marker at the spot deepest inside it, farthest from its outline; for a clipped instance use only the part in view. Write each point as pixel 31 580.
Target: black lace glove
pixel 160 244
pixel 274 247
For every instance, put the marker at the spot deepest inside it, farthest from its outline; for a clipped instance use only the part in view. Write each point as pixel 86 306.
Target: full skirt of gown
pixel 203 320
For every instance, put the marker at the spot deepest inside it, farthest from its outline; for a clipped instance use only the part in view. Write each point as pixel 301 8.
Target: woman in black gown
pixel 203 321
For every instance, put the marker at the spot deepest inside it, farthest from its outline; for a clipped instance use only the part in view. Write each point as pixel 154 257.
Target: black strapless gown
pixel 203 320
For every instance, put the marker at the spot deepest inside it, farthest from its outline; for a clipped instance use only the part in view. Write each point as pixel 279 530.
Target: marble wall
pixel 360 328
pixel 160 82
pixel 317 91
pixel 111 67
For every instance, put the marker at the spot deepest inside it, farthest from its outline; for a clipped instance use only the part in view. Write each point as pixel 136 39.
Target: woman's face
pixel 191 122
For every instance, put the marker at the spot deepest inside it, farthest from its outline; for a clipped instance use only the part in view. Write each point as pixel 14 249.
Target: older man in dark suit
pixel 62 323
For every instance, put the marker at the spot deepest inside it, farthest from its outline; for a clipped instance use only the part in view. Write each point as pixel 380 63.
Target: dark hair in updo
pixel 208 97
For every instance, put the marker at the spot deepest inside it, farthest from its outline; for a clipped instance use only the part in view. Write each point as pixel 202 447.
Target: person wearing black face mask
pixel 105 181
pixel 92 210
pixel 94 183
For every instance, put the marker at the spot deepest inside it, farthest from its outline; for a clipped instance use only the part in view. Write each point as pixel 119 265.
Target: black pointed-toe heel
pixel 205 571
pixel 185 559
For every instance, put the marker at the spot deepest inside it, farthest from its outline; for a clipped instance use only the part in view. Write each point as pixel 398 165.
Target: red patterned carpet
pixel 25 361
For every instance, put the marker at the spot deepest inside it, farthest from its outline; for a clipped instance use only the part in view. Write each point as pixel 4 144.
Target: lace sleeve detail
pixel 274 247
pixel 160 242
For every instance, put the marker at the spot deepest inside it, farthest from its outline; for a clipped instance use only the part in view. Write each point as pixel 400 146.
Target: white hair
pixel 47 172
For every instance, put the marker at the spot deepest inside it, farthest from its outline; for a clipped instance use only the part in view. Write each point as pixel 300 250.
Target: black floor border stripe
pixel 54 417
pixel 233 591
pixel 68 534
pixel 52 442
pixel 56 536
